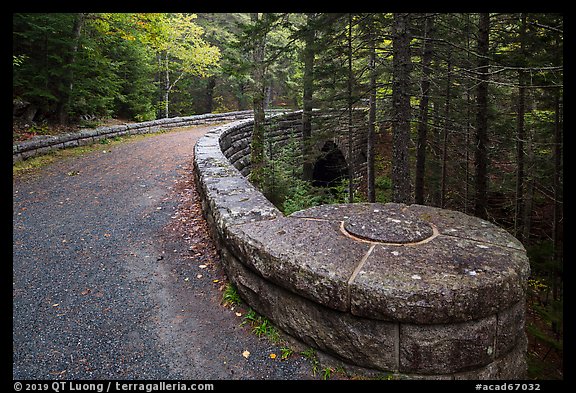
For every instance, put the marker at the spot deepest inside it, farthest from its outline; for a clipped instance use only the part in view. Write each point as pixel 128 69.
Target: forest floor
pixel 545 362
pixel 187 226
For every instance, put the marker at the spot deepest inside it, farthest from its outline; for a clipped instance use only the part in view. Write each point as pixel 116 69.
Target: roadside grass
pixel 262 327
pixel 259 325
pixel 230 296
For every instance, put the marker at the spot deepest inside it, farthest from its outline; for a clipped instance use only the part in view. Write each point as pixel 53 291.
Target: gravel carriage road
pixel 108 283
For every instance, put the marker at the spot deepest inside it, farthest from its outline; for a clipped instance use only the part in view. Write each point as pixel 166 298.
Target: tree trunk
pixel 519 205
pixel 481 152
pixel 558 196
pixel 210 94
pixel 166 88
pixel 435 163
pixel 529 191
pixel 445 136
pixel 258 98
pixel 469 87
pixel 64 105
pixel 370 175
pixel 308 87
pixel 242 98
pixel 401 188
pixel 423 110
pixel 350 129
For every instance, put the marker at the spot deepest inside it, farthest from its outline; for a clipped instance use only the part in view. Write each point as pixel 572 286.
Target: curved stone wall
pixel 417 291
pixel 45 144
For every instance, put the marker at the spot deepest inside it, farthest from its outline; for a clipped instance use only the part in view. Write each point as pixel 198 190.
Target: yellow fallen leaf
pixel 272 356
pixel 246 354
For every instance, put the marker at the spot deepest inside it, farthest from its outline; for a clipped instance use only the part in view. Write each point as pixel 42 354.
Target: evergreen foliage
pixel 467 108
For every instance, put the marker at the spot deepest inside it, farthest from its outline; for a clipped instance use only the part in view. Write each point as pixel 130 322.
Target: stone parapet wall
pixel 45 144
pixel 235 143
pixel 281 128
pixel 411 290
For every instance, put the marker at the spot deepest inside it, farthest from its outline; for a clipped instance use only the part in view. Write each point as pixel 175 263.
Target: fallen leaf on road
pixel 203 266
pixel 272 356
pixel 246 354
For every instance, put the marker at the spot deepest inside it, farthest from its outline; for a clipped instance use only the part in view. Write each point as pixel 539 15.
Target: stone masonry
pixel 45 144
pixel 412 290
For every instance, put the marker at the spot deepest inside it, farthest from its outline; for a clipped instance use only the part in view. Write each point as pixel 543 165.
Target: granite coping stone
pixel 442 276
pixel 410 289
pixel 442 280
pixel 392 262
pixel 310 258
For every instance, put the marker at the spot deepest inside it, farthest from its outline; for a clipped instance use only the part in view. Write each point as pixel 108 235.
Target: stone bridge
pixel 330 131
pixel 43 144
pixel 411 290
pixel 415 291
pixel 330 134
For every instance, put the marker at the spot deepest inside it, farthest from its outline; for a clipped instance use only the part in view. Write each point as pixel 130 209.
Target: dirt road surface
pixel 114 276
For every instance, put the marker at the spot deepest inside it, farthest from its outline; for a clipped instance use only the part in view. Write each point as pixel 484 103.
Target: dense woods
pixel 465 111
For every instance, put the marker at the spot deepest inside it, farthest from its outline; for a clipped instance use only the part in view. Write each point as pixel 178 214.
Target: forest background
pixel 465 110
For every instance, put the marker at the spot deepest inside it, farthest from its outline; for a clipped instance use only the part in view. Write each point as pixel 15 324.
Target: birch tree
pixel 181 52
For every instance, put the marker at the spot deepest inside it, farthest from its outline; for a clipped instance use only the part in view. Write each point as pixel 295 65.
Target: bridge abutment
pixel 412 290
